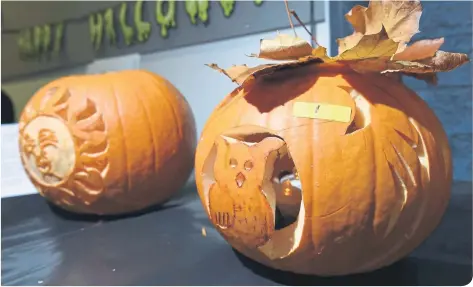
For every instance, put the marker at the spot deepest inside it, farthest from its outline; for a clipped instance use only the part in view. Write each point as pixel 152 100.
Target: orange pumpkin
pixel 330 165
pixel 107 144
pixel 372 188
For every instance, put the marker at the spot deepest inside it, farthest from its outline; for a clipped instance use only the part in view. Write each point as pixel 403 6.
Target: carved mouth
pixel 240 179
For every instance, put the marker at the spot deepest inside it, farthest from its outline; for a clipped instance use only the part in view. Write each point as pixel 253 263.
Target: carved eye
pixel 46 138
pixel 248 165
pixel 233 162
pixel 28 144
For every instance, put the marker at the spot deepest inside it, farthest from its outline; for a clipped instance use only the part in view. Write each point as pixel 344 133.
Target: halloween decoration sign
pixel 95 143
pixel 330 165
pixel 96 30
pixel 37 42
pixel 40 41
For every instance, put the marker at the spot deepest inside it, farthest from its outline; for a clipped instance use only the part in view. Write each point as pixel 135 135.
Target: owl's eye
pixel 233 162
pixel 248 165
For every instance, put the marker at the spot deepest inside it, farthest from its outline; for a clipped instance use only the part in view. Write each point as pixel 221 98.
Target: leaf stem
pixel 289 17
pixel 302 24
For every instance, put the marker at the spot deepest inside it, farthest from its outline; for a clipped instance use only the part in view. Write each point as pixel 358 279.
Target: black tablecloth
pixel 42 245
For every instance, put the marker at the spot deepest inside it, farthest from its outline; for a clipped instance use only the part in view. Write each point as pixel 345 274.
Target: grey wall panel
pixel 24 14
pixel 75 51
pixel 247 18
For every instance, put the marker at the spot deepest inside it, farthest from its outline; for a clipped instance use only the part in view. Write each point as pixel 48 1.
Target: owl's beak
pixel 240 179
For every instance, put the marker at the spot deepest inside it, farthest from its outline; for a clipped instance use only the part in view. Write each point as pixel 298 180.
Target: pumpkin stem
pixel 289 17
pixel 302 24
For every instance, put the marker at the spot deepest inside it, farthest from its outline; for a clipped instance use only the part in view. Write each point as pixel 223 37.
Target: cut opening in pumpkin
pixel 288 189
pixel 251 180
pixel 362 117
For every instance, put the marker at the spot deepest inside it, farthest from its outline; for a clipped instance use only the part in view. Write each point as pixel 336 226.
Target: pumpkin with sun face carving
pixel 328 165
pixel 107 144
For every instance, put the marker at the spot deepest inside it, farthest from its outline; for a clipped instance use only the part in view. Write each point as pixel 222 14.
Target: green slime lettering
pixel 168 20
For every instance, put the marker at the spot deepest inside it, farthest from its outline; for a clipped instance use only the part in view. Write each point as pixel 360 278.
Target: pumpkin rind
pixel 133 138
pixel 372 189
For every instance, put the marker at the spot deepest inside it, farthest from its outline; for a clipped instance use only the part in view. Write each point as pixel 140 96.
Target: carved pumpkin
pixel 315 167
pixel 107 144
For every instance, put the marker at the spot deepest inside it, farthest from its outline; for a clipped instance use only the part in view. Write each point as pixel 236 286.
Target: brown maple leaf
pixel 284 47
pixel 379 44
pixel 419 50
pixel 239 74
pixel 371 46
pixel 399 18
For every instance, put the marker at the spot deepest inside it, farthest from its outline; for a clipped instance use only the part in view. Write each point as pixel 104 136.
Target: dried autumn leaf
pixel 371 46
pixel 284 47
pixel 243 74
pixel 373 65
pixel 400 19
pixel 402 46
pixel 271 69
pixel 395 76
pixel 441 62
pixel 319 52
pixel 359 18
pixel 348 42
pixel 238 74
pixel 445 61
pixel 419 50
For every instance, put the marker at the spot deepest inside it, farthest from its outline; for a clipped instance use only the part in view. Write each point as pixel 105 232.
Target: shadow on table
pixel 181 196
pixel 67 215
pixel 409 271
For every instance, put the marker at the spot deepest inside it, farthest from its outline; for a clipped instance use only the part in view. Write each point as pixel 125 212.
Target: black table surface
pixel 42 245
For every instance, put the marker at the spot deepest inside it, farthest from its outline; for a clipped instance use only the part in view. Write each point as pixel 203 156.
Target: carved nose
pixel 240 179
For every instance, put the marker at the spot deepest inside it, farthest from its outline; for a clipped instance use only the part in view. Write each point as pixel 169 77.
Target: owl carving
pixel 242 200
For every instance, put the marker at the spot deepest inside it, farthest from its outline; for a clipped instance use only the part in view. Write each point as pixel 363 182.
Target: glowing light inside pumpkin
pixel 288 189
pixel 291 183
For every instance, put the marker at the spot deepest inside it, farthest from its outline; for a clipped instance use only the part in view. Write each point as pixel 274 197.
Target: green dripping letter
pixel 24 42
pixel 167 20
pixel 96 30
pixel 191 9
pixel 37 37
pixel 41 39
pixel 58 38
pixel 126 30
pixel 197 7
pixel 143 29
pixel 109 26
pixel 46 40
pixel 203 8
pixel 227 6
pixel 258 2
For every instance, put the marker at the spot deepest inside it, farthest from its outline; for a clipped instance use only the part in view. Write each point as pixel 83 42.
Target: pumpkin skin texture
pixel 108 144
pixel 373 188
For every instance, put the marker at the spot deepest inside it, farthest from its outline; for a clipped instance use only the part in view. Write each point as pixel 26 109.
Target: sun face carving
pixel 48 150
pixel 64 147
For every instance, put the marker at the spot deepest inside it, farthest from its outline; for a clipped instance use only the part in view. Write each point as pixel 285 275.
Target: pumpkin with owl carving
pixel 330 165
pixel 109 143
